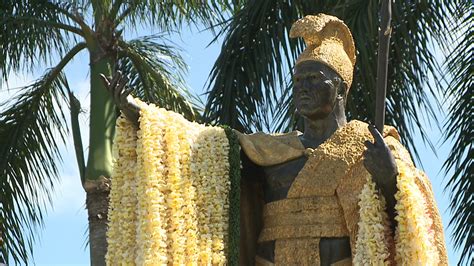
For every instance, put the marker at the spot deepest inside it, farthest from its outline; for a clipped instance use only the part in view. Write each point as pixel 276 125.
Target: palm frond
pixel 171 14
pixel 30 132
pixel 33 32
pixel 155 72
pixel 460 129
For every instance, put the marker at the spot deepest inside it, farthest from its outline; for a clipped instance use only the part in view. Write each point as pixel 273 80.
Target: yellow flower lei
pixel 211 177
pixel 414 240
pixel 371 245
pixel 177 207
pixel 151 190
pixel 121 236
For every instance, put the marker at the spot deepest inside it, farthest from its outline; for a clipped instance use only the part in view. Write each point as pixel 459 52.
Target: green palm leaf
pixel 30 132
pixel 171 14
pixel 155 73
pixel 460 128
pixel 34 32
pixel 250 72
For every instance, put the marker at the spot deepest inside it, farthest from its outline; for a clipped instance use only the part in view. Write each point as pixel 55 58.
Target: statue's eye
pixel 297 80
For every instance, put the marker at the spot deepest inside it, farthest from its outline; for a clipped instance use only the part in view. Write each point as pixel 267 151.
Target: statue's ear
pixel 342 89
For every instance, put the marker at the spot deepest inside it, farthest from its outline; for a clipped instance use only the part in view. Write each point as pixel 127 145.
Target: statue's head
pixel 316 89
pixel 323 72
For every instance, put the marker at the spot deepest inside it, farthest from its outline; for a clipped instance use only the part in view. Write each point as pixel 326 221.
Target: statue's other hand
pixel 379 160
pixel 121 95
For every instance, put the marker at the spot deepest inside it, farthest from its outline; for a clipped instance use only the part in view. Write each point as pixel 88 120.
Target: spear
pixel 382 62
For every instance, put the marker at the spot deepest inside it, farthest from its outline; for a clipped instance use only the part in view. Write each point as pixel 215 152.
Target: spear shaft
pixel 382 62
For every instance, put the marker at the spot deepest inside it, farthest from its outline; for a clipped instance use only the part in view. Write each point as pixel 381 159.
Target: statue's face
pixel 315 89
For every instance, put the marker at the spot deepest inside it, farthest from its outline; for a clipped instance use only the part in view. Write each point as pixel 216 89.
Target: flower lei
pixel 414 240
pixel 372 244
pixel 171 191
pixel 152 217
pixel 414 237
pixel 121 235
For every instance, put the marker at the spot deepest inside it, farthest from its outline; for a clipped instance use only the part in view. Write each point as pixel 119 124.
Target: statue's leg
pixel 334 250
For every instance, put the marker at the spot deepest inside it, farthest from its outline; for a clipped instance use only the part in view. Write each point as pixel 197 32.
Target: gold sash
pixel 306 217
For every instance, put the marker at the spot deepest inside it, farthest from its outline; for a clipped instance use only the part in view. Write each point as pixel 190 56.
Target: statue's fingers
pixel 105 80
pixel 121 83
pixel 378 139
pixel 369 145
pixel 125 94
pixel 113 83
pixel 368 164
pixel 122 86
pixel 117 91
pixel 365 155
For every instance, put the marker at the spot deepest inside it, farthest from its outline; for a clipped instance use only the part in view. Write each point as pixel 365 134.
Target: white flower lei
pixel 414 240
pixel 176 210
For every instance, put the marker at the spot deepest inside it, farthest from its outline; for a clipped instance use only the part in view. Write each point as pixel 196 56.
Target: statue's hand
pixel 379 160
pixel 121 95
pixel 380 163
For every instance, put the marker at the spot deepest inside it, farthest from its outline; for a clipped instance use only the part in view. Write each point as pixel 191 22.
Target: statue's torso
pixel 278 181
pixel 278 178
pixel 311 200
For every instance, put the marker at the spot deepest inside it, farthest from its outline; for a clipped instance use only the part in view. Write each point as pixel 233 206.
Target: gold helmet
pixel 329 41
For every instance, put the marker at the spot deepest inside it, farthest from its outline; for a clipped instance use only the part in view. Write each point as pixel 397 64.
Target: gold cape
pixel 339 157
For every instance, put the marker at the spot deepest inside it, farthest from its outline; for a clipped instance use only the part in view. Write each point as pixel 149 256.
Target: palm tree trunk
pixel 97 203
pixel 99 163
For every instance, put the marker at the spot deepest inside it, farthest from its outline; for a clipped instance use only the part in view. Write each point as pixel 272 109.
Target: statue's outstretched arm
pixel 121 95
pixel 380 163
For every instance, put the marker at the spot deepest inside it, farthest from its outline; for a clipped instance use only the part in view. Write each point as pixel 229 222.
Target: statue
pixel 300 191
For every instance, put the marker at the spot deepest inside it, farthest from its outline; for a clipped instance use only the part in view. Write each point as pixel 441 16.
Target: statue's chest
pixel 301 177
pixel 278 178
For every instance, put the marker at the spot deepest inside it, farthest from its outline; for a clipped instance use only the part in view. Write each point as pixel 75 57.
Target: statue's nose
pixel 307 84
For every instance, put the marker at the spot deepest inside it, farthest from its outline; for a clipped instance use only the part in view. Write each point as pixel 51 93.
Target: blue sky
pixel 63 240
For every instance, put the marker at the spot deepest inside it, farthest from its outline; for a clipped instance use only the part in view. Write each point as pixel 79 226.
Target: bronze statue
pixel 299 194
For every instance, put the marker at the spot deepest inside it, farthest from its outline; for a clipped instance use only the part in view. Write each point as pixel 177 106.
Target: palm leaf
pixel 30 131
pixel 33 32
pixel 460 129
pixel 171 14
pixel 155 72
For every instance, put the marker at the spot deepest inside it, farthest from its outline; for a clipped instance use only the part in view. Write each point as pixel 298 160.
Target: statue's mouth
pixel 305 98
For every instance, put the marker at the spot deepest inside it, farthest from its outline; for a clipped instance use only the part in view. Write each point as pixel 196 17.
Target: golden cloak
pixel 340 157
